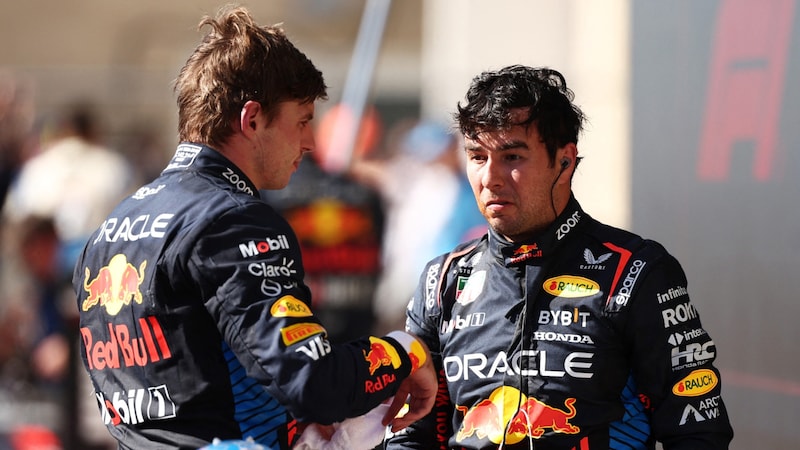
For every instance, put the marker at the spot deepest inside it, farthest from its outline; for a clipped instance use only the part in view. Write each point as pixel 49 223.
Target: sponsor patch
pixel 380 354
pixel 571 286
pixel 184 156
pixel 699 382
pixel 299 331
pixel 114 285
pixel 472 288
pixel 289 306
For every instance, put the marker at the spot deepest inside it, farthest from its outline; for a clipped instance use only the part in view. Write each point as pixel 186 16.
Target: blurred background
pixel 692 140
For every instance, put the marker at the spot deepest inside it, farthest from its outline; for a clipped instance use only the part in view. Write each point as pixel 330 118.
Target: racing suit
pixel 195 320
pixel 581 339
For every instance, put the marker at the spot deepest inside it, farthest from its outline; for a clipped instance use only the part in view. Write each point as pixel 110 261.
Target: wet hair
pixel 493 95
pixel 236 62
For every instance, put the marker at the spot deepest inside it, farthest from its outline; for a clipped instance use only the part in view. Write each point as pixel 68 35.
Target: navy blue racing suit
pixel 584 338
pixel 196 324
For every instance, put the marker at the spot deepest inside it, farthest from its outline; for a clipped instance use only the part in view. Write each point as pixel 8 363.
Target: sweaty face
pixel 512 178
pixel 282 143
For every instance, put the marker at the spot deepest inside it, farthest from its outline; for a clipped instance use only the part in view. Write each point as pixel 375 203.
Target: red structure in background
pixel 745 86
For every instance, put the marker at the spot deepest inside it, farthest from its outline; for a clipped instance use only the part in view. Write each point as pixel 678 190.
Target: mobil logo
pixel 254 248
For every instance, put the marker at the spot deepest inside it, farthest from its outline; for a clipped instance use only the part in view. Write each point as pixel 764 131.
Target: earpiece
pixel 564 163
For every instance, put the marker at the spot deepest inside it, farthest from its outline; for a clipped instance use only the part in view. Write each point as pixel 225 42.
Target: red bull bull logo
pixel 526 248
pixel 380 354
pixel 525 251
pixel 509 412
pixel 115 285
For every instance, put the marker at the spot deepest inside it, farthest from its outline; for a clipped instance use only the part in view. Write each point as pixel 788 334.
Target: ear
pixel 249 118
pixel 567 158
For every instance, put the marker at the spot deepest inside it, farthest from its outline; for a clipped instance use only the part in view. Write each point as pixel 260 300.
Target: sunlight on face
pixel 283 142
pixel 512 178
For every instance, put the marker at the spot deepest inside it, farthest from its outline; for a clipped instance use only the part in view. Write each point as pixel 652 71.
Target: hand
pixel 419 389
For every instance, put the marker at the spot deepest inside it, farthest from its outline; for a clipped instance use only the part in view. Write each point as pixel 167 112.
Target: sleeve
pixel 434 430
pixel 672 359
pixel 251 273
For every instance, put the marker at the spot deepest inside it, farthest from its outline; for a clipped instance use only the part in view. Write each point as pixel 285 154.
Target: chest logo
pixel 114 285
pixel 511 416
pixel 571 286
pixel 473 287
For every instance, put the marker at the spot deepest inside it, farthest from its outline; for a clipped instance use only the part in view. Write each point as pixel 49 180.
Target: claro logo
pixel 699 382
pixel 571 286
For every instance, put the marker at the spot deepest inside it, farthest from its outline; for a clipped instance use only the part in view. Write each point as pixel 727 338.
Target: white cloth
pixel 358 433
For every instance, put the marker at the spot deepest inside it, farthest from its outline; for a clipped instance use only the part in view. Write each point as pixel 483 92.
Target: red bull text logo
pixel 115 285
pixel 139 345
pixel 380 354
pixel 499 414
pixel 526 251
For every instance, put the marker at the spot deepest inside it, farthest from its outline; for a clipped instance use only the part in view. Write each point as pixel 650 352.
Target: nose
pixel 307 141
pixel 491 174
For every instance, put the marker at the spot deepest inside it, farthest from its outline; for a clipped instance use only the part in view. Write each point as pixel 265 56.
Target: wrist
pixel 413 347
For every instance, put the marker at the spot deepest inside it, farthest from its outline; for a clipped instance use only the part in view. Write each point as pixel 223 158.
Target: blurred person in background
pixel 553 330
pixel 428 206
pixel 75 179
pixel 195 319
pixel 17 137
pixel 35 347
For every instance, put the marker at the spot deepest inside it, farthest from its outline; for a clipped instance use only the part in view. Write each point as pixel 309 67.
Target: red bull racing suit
pixel 195 322
pixel 582 339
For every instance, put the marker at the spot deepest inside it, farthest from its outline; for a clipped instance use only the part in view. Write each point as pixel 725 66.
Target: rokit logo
pixel 254 248
pixel 679 314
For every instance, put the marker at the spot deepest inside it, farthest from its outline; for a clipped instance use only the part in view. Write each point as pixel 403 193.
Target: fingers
pixel 420 389
pixel 397 404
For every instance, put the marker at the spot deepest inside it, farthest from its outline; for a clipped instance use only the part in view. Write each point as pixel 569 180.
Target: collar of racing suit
pixel 201 158
pixel 544 244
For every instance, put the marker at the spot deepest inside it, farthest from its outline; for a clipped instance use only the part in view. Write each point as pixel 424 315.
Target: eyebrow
pixel 509 145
